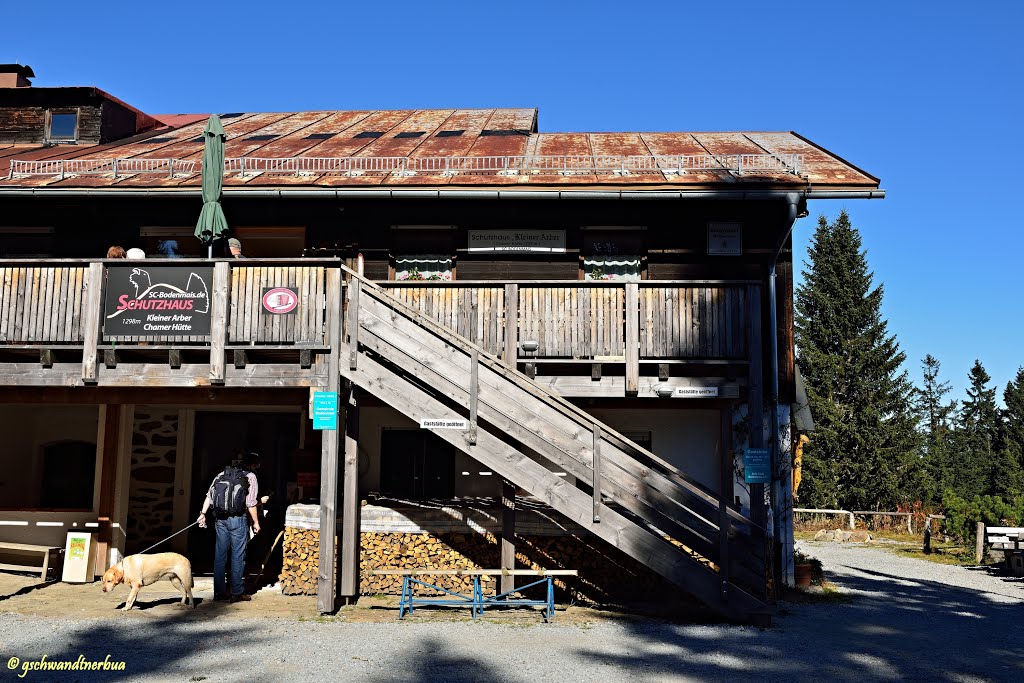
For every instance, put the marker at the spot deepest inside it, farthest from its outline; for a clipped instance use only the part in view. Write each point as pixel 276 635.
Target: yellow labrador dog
pixel 141 570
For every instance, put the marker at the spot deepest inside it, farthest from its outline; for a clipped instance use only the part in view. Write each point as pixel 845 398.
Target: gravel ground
pixel 901 619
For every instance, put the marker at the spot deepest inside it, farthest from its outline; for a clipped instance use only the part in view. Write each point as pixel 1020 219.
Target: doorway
pixel 218 436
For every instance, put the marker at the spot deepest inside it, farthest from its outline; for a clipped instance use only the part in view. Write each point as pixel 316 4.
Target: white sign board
pixel 696 392
pixel 552 241
pixel 725 239
pixel 79 558
pixel 444 423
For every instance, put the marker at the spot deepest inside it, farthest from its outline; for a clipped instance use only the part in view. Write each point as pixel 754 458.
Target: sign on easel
pixel 325 410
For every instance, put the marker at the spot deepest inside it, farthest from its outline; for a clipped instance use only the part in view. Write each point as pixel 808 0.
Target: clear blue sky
pixel 922 95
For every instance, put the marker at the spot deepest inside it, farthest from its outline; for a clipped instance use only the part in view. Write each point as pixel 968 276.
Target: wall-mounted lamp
pixel 529 346
pixel 664 390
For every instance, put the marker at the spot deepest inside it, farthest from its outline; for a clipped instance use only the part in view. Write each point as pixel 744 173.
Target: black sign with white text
pixel 146 301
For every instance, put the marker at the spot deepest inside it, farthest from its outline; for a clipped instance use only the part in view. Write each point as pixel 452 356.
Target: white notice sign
pixel 725 239
pixel 696 392
pixel 444 423
pixel 552 241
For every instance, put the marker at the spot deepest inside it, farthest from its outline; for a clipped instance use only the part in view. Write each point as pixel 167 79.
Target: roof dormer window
pixel 62 125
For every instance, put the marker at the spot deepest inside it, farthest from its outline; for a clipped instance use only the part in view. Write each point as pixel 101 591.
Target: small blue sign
pixel 757 466
pixel 325 410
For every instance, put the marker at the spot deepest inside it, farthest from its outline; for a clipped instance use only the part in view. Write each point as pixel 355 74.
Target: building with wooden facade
pixel 547 350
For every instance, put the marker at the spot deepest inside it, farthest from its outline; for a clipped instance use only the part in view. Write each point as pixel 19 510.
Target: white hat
pixel 135 253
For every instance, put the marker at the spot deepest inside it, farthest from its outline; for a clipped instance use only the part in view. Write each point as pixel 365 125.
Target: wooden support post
pixel 595 371
pixel 511 350
pixel 174 358
pixel 508 535
pixel 240 358
pixel 979 543
pixel 329 455
pixel 91 328
pixel 755 410
pixel 219 321
pixel 111 426
pixel 474 389
pixel 632 305
pixel 354 285
pixel 663 372
pixel 305 359
pixel 46 358
pixel 109 359
pixel 530 370
pixel 597 472
pixel 725 495
pixel 350 522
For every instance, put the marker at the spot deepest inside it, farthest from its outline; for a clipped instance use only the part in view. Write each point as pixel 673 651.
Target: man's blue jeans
pixel 232 535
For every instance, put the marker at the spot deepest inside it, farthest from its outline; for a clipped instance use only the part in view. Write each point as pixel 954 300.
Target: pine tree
pixel 865 447
pixel 973 463
pixel 1011 437
pixel 935 417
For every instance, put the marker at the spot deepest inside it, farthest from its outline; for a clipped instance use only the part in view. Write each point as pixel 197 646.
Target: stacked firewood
pixel 301 564
pixel 605 574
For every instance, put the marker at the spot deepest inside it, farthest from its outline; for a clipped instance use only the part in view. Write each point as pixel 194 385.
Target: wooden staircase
pixel 640 504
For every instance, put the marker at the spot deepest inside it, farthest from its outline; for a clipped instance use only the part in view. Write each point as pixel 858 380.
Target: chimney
pixel 15 76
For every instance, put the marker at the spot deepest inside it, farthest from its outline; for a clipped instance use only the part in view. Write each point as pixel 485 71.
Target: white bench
pixel 47 553
pixel 1010 540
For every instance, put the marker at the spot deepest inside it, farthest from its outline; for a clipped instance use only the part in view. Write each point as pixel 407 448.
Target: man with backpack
pixel 233 493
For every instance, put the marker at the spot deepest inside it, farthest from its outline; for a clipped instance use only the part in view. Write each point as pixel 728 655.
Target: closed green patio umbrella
pixel 212 223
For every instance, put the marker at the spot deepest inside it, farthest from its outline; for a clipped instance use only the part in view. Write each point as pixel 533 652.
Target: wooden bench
pixel 1010 540
pixel 24 548
pixel 476 601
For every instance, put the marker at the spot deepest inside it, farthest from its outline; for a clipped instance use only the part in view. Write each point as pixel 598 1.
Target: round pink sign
pixel 280 300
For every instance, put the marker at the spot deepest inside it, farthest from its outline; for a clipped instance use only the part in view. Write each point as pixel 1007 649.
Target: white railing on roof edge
pixel 115 167
pixel 511 165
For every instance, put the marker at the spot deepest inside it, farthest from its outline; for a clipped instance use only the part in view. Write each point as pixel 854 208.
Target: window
pixel 62 126
pixel 416 464
pixel 28 242
pixel 423 252
pixel 423 267
pixel 170 242
pixel 612 254
pixel 69 469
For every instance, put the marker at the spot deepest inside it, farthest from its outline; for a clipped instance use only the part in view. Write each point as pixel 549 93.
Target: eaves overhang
pixel 448 193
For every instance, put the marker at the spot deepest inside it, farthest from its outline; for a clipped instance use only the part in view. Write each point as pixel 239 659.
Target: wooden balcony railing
pixel 60 304
pixel 588 320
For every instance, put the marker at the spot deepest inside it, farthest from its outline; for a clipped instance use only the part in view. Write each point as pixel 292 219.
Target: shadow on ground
pixel 891 628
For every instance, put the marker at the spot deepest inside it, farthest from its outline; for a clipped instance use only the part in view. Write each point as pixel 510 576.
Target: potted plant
pixel 803 568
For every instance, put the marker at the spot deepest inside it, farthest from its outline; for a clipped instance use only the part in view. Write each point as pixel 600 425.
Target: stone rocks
pixel 842 536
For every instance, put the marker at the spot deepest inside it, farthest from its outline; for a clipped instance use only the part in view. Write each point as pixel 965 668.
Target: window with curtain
pixel 423 267
pixel 423 252
pixel 611 255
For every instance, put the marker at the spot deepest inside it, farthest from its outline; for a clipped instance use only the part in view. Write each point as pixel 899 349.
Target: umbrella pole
pixel 209 250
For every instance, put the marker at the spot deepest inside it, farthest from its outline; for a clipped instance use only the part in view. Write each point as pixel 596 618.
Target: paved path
pixel 904 620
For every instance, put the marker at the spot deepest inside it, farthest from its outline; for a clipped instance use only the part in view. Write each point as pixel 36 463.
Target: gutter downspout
pixel 781 494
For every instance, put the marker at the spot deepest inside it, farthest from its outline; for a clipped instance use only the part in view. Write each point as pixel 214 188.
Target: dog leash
pixel 170 537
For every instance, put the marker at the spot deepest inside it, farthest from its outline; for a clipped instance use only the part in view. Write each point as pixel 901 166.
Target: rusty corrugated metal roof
pixel 475 148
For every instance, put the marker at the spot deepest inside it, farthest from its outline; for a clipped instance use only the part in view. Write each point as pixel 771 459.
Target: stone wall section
pixel 151 490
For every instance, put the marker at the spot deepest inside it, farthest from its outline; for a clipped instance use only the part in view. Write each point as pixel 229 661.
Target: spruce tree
pixel 935 416
pixel 864 449
pixel 1011 438
pixel 973 463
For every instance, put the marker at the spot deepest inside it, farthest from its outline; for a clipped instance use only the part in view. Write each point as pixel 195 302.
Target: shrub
pixel 963 515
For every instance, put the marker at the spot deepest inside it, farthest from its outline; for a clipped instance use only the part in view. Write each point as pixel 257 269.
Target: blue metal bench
pixel 476 601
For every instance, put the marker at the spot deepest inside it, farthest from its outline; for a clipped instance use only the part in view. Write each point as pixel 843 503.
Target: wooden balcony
pixel 580 338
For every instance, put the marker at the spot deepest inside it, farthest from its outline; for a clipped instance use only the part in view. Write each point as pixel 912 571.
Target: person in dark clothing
pixel 233 495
